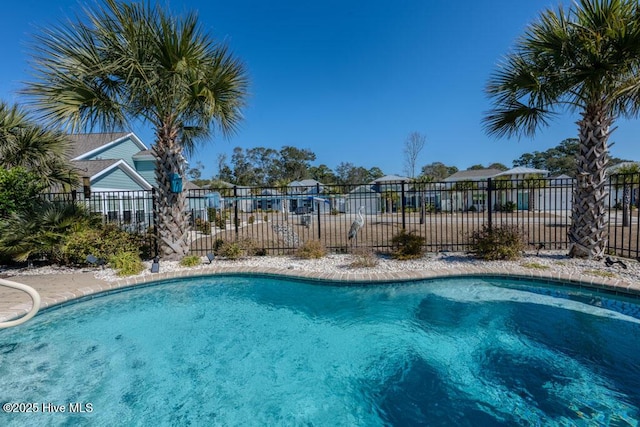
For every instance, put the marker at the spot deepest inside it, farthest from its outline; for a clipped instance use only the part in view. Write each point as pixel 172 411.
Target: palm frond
pixel 586 56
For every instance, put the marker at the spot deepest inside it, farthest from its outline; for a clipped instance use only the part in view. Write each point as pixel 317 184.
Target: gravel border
pixel 552 262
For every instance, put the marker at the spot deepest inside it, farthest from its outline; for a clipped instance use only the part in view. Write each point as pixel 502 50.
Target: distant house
pixel 469 188
pixel 306 195
pixel 383 194
pixel 366 196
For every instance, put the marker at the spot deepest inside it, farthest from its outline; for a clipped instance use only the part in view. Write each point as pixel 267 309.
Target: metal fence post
pixel 235 208
pixel 489 203
pixel 402 204
pixel 154 208
pixel 318 209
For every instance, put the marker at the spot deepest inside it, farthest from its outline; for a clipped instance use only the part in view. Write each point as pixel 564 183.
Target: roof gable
pixel 86 145
pixel 98 169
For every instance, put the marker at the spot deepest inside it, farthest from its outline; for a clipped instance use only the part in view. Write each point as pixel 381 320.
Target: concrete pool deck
pixel 57 289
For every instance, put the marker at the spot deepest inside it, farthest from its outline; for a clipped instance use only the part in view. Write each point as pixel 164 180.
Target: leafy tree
pixel 131 61
pixel 375 173
pixel 322 174
pixel 560 160
pixel 585 60
pixel 294 163
pixel 498 166
pixel 264 162
pixel 413 145
pixel 224 171
pixel 350 174
pixel 195 173
pixel 243 171
pixel 438 171
pixel 475 167
pixel 18 190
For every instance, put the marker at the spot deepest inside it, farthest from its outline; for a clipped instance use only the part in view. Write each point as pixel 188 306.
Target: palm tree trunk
pixel 588 234
pixel 173 225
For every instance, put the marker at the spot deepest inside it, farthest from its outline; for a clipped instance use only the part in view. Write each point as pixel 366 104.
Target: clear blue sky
pixel 350 80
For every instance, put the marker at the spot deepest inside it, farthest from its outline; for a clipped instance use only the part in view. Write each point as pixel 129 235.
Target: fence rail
pixel 279 219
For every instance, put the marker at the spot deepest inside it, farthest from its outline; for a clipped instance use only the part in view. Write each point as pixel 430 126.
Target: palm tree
pixel 134 62
pixel 41 151
pixel 585 60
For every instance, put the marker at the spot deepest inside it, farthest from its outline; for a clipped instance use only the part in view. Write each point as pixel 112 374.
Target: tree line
pixel 262 166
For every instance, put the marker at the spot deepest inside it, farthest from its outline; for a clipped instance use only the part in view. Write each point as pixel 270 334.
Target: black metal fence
pixel 279 219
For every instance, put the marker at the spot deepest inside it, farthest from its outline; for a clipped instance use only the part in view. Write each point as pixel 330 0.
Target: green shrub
pixel 231 250
pixel 508 207
pixel 18 190
pixel 126 263
pixel 266 218
pixel 42 231
pixel 102 242
pixel 311 249
pixel 472 208
pixel 406 245
pixel 236 250
pixel 190 261
pixel 505 242
pixel 251 219
pixel 202 226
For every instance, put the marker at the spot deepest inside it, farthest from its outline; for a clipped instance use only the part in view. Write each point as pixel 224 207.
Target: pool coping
pixel 69 294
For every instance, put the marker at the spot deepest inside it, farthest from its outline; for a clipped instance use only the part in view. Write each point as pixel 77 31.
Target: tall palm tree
pixel 585 59
pixel 134 62
pixel 41 151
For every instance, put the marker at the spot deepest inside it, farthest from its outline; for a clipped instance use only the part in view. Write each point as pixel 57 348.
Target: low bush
pixel 190 261
pixel 505 242
pixel 202 226
pixel 508 207
pixel 126 263
pixel 363 258
pixel 220 219
pixel 251 219
pixel 236 250
pixel 311 249
pixel 230 250
pixel 102 242
pixel 406 245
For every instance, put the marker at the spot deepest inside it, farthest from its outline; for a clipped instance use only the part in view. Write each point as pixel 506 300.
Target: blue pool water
pixel 262 351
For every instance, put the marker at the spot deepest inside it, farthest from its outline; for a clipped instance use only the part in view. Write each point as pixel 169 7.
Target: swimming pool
pixel 243 350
